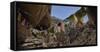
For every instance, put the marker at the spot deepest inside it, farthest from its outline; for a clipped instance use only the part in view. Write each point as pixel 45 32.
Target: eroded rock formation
pixel 36 14
pixel 92 15
pixel 31 16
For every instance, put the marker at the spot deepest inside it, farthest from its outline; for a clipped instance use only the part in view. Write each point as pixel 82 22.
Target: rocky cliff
pixel 36 14
pixel 31 16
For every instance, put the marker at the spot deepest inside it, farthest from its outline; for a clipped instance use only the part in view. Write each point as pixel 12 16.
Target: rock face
pixel 92 14
pixel 31 16
pixel 77 18
pixel 36 15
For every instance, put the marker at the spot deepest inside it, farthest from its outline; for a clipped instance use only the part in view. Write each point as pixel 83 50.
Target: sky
pixel 63 12
pixel 85 19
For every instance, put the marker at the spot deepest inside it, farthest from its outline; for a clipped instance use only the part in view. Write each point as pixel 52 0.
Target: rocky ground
pixel 72 37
